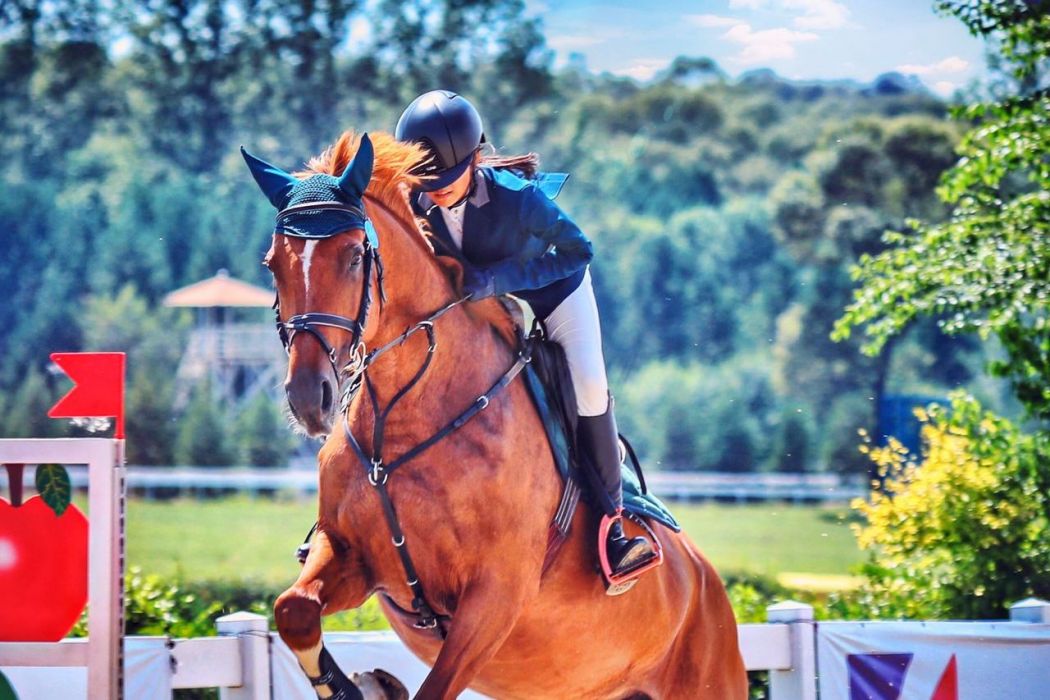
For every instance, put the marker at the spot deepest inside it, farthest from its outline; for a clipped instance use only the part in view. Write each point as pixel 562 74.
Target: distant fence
pixel 673 486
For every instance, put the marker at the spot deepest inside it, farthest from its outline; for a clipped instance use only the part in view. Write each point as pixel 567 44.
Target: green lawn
pixel 254 539
pixel 773 539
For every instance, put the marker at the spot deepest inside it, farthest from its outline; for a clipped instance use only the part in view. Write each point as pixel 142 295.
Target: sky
pixel 799 39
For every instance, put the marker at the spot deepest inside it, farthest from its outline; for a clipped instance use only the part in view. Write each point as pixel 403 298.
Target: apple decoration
pixel 43 558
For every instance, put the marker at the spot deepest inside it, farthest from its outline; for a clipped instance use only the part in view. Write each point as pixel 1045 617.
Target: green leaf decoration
pixel 6 691
pixel 52 483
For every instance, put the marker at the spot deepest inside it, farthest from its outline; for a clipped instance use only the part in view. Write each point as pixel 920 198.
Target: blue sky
pixel 801 39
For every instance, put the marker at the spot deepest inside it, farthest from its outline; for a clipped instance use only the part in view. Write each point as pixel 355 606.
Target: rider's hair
pixel 526 165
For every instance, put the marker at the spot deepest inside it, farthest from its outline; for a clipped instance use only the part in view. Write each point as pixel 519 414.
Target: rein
pixel 356 370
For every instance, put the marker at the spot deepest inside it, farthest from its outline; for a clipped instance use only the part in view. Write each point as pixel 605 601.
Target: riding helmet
pixel 449 126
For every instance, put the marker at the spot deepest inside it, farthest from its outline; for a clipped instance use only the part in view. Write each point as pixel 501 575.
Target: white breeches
pixel 574 325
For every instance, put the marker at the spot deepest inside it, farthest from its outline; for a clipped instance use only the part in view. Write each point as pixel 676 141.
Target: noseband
pixel 312 322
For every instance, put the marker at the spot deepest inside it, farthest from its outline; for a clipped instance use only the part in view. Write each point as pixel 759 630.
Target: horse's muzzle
pixel 312 398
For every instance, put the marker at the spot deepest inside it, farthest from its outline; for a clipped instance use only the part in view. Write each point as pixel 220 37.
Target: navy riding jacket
pixel 515 230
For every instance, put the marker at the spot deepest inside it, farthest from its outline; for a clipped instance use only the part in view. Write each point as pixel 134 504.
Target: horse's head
pixel 326 270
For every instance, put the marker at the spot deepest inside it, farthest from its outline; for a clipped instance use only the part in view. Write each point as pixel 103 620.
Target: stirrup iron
pixel 620 583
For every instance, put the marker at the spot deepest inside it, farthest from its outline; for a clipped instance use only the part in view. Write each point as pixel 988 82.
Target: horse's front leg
pixel 331 580
pixel 483 619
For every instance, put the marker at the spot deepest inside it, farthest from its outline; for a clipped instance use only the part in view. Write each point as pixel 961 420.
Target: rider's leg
pixel 574 325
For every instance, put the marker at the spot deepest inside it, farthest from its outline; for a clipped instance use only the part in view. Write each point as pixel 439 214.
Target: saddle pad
pixel 634 501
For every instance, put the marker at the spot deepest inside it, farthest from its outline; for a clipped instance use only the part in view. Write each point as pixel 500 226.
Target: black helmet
pixel 449 126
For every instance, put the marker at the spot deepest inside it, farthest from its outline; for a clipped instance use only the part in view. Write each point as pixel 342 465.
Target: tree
pixel 262 434
pixel 792 447
pixel 986 269
pixel 25 412
pixel 203 439
pixel 966 532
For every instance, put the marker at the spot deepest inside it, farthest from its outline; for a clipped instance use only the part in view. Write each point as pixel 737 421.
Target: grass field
pixel 254 539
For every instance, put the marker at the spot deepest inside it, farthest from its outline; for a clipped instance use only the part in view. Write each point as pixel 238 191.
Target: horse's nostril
pixel 326 396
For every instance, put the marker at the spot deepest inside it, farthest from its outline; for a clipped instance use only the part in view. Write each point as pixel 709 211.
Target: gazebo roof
pixel 220 290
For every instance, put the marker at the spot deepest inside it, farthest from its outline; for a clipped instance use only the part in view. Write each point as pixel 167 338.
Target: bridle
pixel 311 322
pixel 377 470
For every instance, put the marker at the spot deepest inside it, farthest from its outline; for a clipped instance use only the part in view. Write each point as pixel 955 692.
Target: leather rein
pixel 378 470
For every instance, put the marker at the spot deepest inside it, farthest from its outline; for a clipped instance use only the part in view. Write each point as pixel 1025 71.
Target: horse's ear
pixel 358 172
pixel 274 182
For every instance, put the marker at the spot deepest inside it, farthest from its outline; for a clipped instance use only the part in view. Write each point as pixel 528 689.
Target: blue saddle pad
pixel 634 501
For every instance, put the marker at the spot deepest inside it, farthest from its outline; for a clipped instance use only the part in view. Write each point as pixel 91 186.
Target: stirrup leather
pixel 617 584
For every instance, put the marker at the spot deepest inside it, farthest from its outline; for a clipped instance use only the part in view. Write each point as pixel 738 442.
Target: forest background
pixel 726 213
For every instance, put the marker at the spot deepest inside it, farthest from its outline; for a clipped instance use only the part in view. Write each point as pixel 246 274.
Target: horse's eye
pixel 356 260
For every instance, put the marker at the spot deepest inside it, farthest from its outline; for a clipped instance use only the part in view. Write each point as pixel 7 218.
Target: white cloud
pixel 575 42
pixel 765 45
pixel 712 21
pixel 644 68
pixel 746 4
pixel 536 7
pixel 945 88
pixel 818 14
pixel 952 64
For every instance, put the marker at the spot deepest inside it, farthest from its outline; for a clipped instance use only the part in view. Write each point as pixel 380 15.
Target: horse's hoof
pixel 379 685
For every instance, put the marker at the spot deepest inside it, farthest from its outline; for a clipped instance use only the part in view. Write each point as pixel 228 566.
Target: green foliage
pixel 153 606
pixel 716 206
pixel 202 439
pixel 263 435
pixel 1021 26
pixel 695 417
pixel 966 532
pixel 26 409
pixel 987 269
pixel 791 451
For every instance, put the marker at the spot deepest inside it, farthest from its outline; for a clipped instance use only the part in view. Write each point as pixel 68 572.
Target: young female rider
pixel 514 239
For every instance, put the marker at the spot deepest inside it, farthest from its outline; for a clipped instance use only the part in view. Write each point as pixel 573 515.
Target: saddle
pixel 550 386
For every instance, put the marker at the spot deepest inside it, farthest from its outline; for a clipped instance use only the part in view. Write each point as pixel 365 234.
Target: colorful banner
pixel 933 660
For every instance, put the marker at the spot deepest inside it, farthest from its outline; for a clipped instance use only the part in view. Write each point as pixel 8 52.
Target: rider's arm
pixel 567 249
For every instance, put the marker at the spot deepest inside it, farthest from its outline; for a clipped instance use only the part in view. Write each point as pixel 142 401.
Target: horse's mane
pixel 392 181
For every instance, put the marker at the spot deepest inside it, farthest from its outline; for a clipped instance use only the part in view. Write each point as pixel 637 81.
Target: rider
pixel 513 239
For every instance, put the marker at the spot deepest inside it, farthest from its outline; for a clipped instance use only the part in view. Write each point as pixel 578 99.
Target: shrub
pixel 966 532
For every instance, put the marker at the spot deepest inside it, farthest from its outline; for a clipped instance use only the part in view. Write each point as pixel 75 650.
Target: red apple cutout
pixel 43 560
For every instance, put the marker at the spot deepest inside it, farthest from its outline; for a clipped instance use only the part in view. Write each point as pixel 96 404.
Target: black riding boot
pixel 599 439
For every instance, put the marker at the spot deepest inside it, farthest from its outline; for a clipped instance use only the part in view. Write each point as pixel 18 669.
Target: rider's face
pixel 448 196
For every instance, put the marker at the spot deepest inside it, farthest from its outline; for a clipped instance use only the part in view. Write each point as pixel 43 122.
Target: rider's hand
pixel 478 282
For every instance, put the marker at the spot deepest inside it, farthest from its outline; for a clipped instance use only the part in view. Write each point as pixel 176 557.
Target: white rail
pixel 675 486
pixel 247 662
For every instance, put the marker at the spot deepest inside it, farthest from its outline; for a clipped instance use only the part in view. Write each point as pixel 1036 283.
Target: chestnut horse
pixel 474 507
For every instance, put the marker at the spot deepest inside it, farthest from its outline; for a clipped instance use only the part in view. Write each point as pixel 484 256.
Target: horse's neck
pixel 469 354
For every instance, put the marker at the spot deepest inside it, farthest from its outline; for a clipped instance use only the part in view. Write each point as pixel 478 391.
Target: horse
pixel 470 510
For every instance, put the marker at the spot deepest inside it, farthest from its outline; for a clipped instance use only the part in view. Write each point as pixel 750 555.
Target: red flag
pixel 98 387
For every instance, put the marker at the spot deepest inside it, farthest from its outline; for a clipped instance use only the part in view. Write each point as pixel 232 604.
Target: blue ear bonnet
pixel 321 205
pixel 297 218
